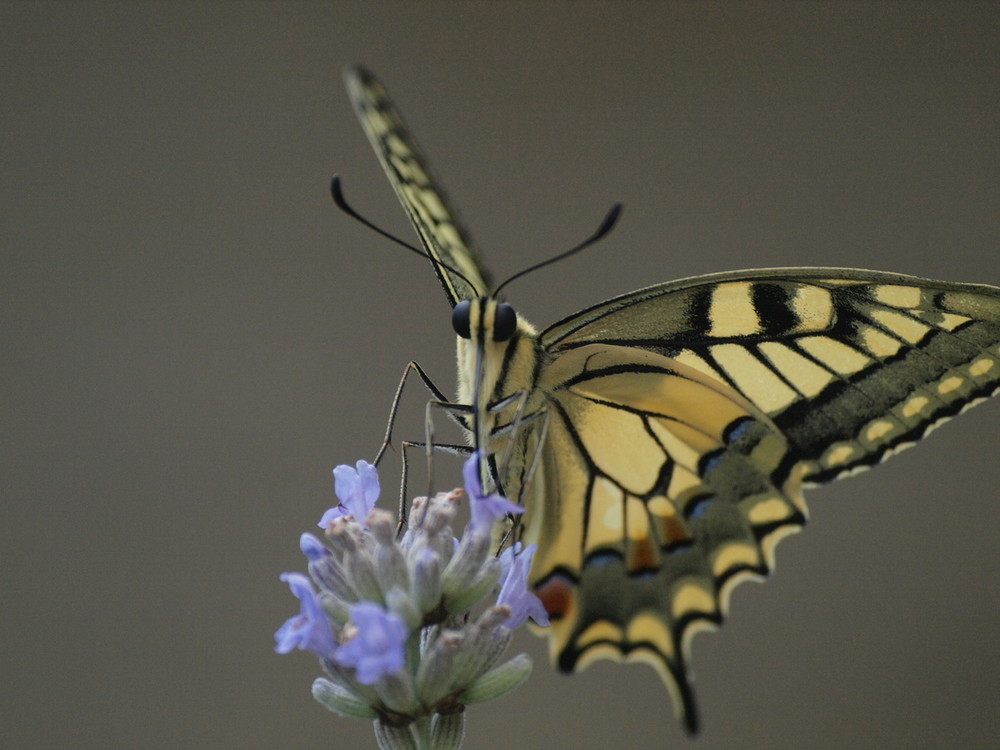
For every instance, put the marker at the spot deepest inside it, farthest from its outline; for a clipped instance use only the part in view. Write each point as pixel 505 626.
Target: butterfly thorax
pixel 498 354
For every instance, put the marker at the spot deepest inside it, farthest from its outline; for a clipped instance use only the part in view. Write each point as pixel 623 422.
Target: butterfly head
pixel 487 328
pixel 482 316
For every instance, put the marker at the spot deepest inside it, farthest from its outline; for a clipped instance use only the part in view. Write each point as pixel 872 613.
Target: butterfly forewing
pixel 427 205
pixel 660 439
pixel 849 364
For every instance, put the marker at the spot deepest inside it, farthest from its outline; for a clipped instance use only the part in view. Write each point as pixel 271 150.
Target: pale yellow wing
pixel 849 364
pixel 441 231
pixel 665 480
pixel 657 491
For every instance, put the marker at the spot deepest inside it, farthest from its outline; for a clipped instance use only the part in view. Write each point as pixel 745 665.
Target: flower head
pixel 514 591
pixel 357 490
pixel 309 630
pixel 376 649
pixel 403 624
pixel 484 509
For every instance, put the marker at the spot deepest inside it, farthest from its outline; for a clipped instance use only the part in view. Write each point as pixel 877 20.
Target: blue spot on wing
pixel 710 460
pixel 737 430
pixel 698 506
pixel 602 558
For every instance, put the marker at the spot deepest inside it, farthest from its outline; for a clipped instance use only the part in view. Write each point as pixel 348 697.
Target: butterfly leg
pixel 440 399
pixel 456 450
pixel 454 411
pixel 536 454
pixel 393 410
pixel 431 447
pixel 529 471
pixel 512 430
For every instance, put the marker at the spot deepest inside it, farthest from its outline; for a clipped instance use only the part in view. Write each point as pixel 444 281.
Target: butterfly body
pixel 660 440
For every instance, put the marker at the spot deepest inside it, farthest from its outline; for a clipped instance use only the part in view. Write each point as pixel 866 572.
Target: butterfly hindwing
pixel 658 491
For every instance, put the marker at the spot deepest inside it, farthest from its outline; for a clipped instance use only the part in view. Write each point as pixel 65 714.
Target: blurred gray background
pixel 193 336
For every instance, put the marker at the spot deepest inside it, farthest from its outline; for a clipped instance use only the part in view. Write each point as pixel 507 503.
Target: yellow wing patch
pixel 653 497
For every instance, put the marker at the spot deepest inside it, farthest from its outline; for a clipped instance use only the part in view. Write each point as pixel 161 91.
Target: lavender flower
pixel 514 591
pixel 376 648
pixel 403 626
pixel 309 630
pixel 357 490
pixel 313 548
pixel 484 509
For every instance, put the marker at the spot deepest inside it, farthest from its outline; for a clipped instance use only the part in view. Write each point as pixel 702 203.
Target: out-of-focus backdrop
pixel 193 336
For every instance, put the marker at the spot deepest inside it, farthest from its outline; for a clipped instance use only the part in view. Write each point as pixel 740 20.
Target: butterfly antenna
pixel 341 202
pixel 606 226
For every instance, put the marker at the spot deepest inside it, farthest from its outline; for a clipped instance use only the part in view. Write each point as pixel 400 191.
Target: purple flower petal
pixel 378 647
pixel 332 514
pixel 470 473
pixel 484 509
pixel 309 630
pixel 313 548
pixel 514 591
pixel 357 489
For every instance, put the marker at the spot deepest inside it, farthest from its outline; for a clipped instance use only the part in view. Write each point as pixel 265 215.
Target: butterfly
pixel 660 440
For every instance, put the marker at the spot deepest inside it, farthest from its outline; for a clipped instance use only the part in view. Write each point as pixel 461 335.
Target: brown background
pixel 193 337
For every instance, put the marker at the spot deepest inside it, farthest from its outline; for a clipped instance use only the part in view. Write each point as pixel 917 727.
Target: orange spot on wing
pixel 557 594
pixel 643 555
pixel 673 531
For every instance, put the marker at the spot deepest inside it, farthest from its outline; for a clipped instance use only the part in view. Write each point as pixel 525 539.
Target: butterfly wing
pixel 685 419
pixel 849 364
pixel 435 219
pixel 657 490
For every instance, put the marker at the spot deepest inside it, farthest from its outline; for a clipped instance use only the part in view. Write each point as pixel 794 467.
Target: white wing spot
pixel 838 454
pixel 755 379
pixel 878 430
pixel 950 384
pixel 836 355
pixel 915 406
pixel 813 306
pixel 903 326
pixel 804 374
pixel 898 296
pixel 733 312
pixel 981 367
pixel 879 343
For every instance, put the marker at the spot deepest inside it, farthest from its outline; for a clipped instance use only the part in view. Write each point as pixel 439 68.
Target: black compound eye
pixel 504 322
pixel 460 319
